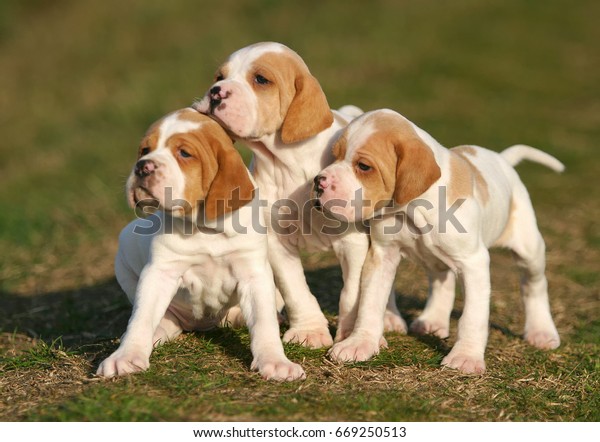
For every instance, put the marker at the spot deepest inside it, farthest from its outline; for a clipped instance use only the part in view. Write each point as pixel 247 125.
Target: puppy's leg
pixel 435 318
pixel 257 302
pixel 168 329
pixel 529 251
pixel 351 251
pixel 308 325
pixel 467 355
pixel 154 293
pixel 392 319
pixel 126 277
pixel 235 319
pixel 377 280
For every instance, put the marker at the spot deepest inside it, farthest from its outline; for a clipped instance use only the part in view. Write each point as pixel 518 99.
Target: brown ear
pixel 231 188
pixel 308 113
pixel 416 169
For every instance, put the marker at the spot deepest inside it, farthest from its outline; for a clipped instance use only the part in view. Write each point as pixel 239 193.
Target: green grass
pixel 81 82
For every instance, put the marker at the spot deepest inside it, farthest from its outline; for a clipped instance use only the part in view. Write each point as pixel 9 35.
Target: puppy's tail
pixel 519 152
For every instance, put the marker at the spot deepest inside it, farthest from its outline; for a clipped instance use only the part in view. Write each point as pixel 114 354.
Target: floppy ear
pixel 231 188
pixel 416 169
pixel 308 113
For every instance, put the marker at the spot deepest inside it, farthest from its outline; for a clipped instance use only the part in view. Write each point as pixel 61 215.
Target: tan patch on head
pixel 464 175
pixel 150 139
pixel 152 135
pixel 403 165
pixel 222 72
pixel 215 175
pixel 292 97
pixel 340 147
pixel 378 183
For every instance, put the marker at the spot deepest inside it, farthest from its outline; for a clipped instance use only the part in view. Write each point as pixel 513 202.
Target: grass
pixel 81 82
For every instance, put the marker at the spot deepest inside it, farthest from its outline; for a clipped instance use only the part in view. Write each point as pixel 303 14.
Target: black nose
pixel 143 168
pixel 317 182
pixel 215 96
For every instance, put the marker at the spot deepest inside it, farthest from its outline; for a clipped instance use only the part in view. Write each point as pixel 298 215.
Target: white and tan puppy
pixel 184 267
pixel 265 95
pixel 443 208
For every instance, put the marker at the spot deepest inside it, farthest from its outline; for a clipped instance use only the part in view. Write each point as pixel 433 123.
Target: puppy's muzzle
pixel 144 168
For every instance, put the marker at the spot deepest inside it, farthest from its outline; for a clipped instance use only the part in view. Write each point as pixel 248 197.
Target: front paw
pixel 354 349
pixel 464 361
pixel 122 363
pixel 543 339
pixel 393 322
pixel 423 326
pixel 278 369
pixel 315 338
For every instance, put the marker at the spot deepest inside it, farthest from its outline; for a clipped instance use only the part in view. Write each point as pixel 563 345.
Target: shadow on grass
pixel 88 318
pixel 76 316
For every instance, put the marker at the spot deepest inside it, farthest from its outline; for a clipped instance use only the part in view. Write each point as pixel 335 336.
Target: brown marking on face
pixel 469 173
pixel 150 139
pixel 222 72
pixel 340 147
pixel 402 165
pixel 379 182
pixel 292 97
pixel 214 170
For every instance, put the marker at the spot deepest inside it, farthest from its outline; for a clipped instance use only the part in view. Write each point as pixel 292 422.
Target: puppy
pixel 443 208
pixel 184 267
pixel 265 95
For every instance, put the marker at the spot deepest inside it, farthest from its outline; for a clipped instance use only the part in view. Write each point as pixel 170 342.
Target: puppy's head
pixel 187 165
pixel 267 88
pixel 380 161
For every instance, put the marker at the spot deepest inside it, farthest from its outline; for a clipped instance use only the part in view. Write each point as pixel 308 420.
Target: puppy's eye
pixel 261 80
pixel 144 151
pixel 219 77
pixel 364 167
pixel 184 153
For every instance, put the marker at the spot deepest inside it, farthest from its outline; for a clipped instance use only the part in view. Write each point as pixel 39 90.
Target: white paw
pixel 123 363
pixel 278 369
pixel 465 362
pixel 345 326
pixel 342 334
pixel 393 322
pixel 355 349
pixel 430 327
pixel 315 338
pixel 543 339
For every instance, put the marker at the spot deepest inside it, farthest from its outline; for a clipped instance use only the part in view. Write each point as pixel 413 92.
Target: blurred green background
pixel 80 82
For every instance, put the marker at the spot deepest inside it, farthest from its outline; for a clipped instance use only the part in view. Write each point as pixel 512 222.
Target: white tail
pixel 515 154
